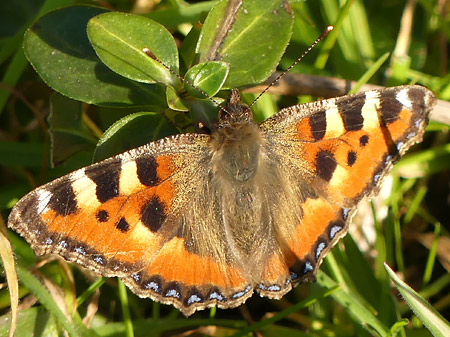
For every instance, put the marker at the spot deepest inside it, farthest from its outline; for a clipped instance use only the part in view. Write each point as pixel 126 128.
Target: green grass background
pixel 354 295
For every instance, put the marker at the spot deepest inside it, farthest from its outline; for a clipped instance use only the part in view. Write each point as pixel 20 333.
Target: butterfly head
pixel 235 112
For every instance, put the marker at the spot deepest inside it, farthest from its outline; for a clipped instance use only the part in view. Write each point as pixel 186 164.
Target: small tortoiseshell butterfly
pixel 198 220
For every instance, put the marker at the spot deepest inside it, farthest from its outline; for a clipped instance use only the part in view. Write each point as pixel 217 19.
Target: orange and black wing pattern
pixel 338 151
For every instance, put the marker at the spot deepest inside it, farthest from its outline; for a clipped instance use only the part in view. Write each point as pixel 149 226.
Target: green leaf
pixel 68 133
pixel 133 131
pixel 429 316
pixel 204 110
pixel 251 37
pixel 187 49
pixel 59 50
pixel 208 77
pixel 119 40
pixel 174 101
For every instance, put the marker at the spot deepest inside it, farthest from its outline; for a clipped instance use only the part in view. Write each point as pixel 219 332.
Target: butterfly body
pixel 199 220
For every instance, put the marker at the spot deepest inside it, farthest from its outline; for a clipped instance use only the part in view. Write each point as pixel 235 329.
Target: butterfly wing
pixel 136 216
pixel 343 147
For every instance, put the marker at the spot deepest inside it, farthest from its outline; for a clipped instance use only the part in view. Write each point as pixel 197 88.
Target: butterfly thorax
pixel 235 143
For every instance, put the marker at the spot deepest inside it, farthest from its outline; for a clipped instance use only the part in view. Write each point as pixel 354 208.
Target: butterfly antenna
pixel 306 52
pixel 149 53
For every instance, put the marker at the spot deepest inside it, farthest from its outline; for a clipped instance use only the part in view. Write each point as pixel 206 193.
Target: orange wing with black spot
pixel 128 216
pixel 342 148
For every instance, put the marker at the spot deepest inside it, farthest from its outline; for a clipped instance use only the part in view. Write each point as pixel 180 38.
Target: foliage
pixel 108 96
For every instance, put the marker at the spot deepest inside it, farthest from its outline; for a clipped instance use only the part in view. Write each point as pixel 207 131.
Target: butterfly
pixel 202 220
